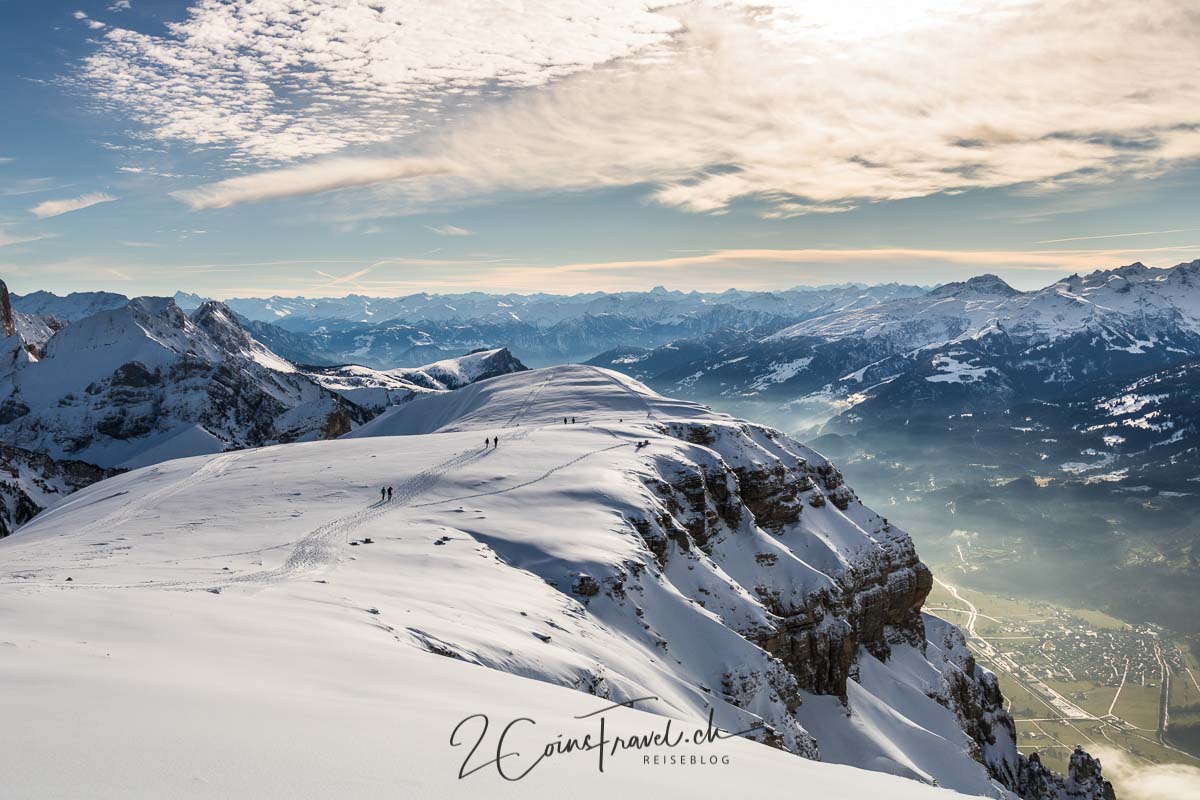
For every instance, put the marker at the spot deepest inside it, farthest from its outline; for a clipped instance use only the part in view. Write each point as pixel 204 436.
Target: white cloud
pixel 449 230
pixel 321 176
pixel 274 81
pixel 119 5
pixel 804 108
pixel 7 238
pixel 1141 781
pixel 91 23
pixel 53 208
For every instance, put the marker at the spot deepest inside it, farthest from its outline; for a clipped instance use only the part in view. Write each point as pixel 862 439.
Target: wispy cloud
pixel 1115 236
pixel 449 230
pixel 281 81
pixel 53 208
pixel 314 178
pixel 9 238
pixel 709 271
pixel 799 109
pixel 22 186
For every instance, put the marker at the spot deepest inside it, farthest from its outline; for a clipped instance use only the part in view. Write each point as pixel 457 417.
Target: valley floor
pixel 1074 676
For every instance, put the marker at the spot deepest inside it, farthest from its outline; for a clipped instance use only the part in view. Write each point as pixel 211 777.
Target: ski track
pixel 319 547
pixel 529 482
pixel 627 390
pixel 523 409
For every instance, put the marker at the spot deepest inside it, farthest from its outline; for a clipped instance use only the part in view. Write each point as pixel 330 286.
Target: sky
pixel 384 147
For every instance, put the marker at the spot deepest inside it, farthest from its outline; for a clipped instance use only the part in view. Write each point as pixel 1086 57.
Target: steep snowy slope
pixel 719 568
pixel 146 382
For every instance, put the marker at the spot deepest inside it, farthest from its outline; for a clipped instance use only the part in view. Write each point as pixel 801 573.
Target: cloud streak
pixel 54 208
pixel 315 178
pixel 449 230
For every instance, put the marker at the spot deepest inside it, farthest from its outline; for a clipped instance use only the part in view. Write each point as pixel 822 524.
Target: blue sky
pixel 255 147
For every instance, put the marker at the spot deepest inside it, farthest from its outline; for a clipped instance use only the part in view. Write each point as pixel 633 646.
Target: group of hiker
pixel 385 493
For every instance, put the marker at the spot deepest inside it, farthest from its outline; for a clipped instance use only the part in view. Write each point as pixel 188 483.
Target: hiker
pixel 486 442
pixel 564 420
pixel 389 494
pixel 382 494
pixel 495 441
pixel 572 420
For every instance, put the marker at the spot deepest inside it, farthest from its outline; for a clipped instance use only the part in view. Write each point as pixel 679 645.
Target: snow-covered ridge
pixel 649 547
pixel 378 389
pixel 1132 299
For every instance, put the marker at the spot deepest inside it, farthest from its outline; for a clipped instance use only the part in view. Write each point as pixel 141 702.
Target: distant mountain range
pixel 542 329
pixel 1061 424
pixel 961 347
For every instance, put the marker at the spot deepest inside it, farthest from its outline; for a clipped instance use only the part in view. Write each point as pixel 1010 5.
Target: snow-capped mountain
pixel 544 310
pixel 70 308
pixel 145 382
pixel 1128 307
pixel 542 329
pixel 961 347
pixel 652 549
pixel 378 389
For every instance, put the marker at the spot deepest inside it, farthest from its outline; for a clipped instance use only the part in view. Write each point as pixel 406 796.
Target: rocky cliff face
pixel 29 482
pixel 865 600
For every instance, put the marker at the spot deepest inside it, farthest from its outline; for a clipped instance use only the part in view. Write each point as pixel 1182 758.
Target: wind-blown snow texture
pixel 722 566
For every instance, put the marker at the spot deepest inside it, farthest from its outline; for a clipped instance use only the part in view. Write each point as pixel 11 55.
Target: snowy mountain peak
pixel 73 306
pixel 220 323
pixel 145 382
pixel 980 284
pixel 188 301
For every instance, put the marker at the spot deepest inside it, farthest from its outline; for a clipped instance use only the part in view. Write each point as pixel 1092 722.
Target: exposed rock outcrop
pixel 29 482
pixel 863 600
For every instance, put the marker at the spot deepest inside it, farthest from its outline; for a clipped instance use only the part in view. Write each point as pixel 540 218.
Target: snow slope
pixel 242 583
